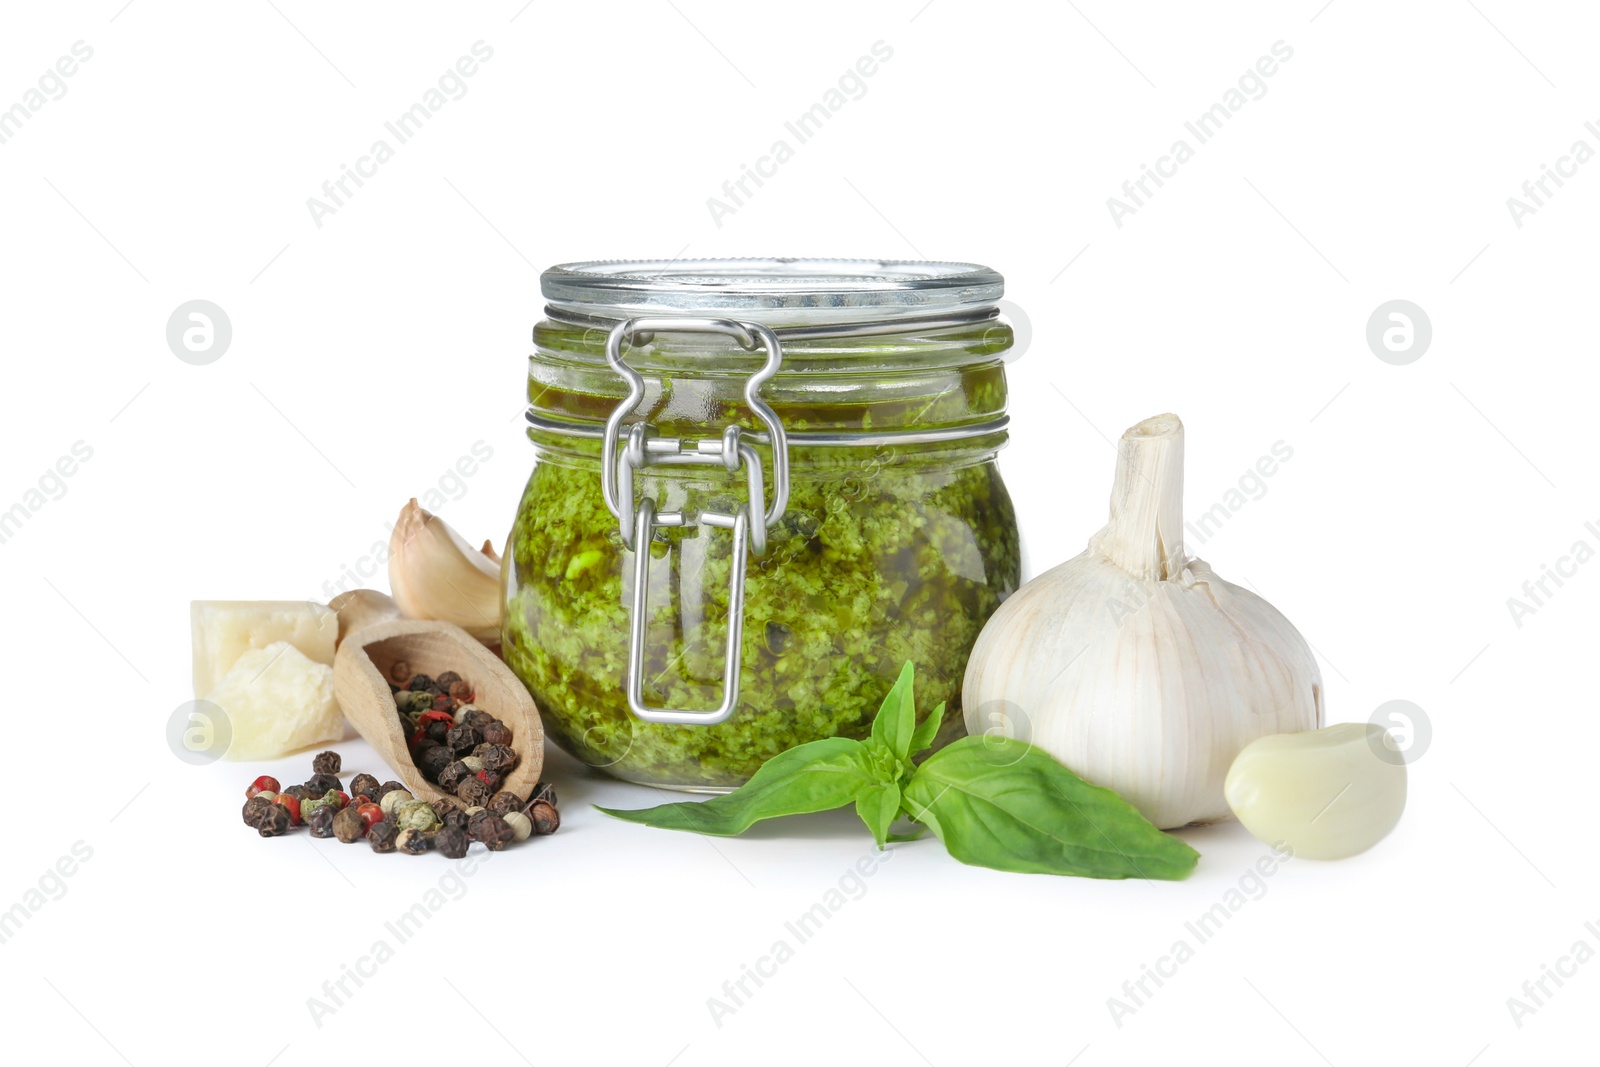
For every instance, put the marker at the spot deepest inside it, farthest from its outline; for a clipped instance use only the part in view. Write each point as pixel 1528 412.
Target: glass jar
pixel 761 486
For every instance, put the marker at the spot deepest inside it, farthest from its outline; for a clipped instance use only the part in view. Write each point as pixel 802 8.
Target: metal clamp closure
pixel 638 520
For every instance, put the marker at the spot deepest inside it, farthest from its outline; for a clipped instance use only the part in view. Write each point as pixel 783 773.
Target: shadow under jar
pixel 761 486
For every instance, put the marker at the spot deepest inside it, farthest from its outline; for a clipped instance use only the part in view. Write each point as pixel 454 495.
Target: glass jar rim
pixel 772 291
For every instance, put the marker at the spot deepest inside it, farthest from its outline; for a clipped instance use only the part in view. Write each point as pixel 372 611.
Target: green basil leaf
pixel 878 807
pixel 1001 803
pixel 897 717
pixel 818 776
pixel 924 734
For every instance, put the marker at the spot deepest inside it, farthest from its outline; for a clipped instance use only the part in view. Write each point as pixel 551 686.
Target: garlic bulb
pixel 435 574
pixel 1137 666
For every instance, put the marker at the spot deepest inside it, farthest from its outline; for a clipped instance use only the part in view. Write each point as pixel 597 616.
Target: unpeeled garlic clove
pixel 435 574
pixel 1327 793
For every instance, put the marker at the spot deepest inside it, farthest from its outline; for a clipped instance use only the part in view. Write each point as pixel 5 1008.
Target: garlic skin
pixel 435 574
pixel 1137 666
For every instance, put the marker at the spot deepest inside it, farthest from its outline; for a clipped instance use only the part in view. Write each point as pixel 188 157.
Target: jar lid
pixel 773 292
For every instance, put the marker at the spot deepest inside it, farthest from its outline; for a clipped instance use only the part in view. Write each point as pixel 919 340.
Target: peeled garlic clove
pixel 435 574
pixel 1326 793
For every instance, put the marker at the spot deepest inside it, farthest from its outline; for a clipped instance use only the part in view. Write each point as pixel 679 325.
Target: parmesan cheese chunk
pixel 278 701
pixel 224 630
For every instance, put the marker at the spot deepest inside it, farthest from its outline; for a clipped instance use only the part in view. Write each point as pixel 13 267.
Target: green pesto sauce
pixel 878 560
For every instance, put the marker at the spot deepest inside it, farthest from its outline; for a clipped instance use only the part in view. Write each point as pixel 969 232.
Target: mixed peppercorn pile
pixel 461 748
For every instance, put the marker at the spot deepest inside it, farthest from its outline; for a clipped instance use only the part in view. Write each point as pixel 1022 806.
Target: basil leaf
pixel 878 807
pixel 818 776
pixel 896 720
pixel 1001 803
pixel 924 734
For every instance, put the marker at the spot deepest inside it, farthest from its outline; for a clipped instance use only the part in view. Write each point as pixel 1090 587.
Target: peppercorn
pixel 419 682
pixel 300 792
pixel 321 782
pixel 382 835
pixel 434 761
pixel 326 763
pixel 477 717
pixel 499 758
pixel 452 773
pixel 472 763
pixel 493 831
pixel 474 790
pixel 492 779
pixel 290 803
pixel 545 818
pixel 448 678
pixel 387 787
pixel 439 733
pixel 348 825
pixel 544 791
pixel 392 800
pixel 442 807
pixel 456 817
pixel 274 821
pixel 365 784
pixel 413 841
pixel 255 809
pixel 496 733
pixel 399 672
pixel 320 821
pixel 503 802
pixel 463 738
pixel 521 826
pixel 416 815
pixel 265 784
pixel 452 841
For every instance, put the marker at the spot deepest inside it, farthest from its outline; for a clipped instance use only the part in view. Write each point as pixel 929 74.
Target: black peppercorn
pixel 503 802
pixel 496 733
pixel 493 831
pixel 255 809
pixel 477 718
pixel 348 826
pixel 452 841
pixel 434 761
pixel 463 738
pixel 473 791
pixel 439 732
pixel 545 818
pixel 498 758
pixel 544 791
pixel 400 671
pixel 320 821
pixel 321 782
pixel 300 792
pixel 419 682
pixel 456 817
pixel 447 678
pixel 443 806
pixel 461 692
pixel 326 763
pixel 381 836
pixel 274 822
pixel 452 774
pixel 493 779
pixel 388 787
pixel 364 785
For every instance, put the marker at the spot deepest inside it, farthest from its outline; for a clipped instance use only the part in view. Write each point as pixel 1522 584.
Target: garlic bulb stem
pixel 1145 534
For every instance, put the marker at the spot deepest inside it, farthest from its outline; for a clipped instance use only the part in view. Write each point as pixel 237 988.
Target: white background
pixel 371 352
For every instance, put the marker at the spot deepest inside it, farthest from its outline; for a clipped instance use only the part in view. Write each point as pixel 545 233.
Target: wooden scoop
pixel 361 683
